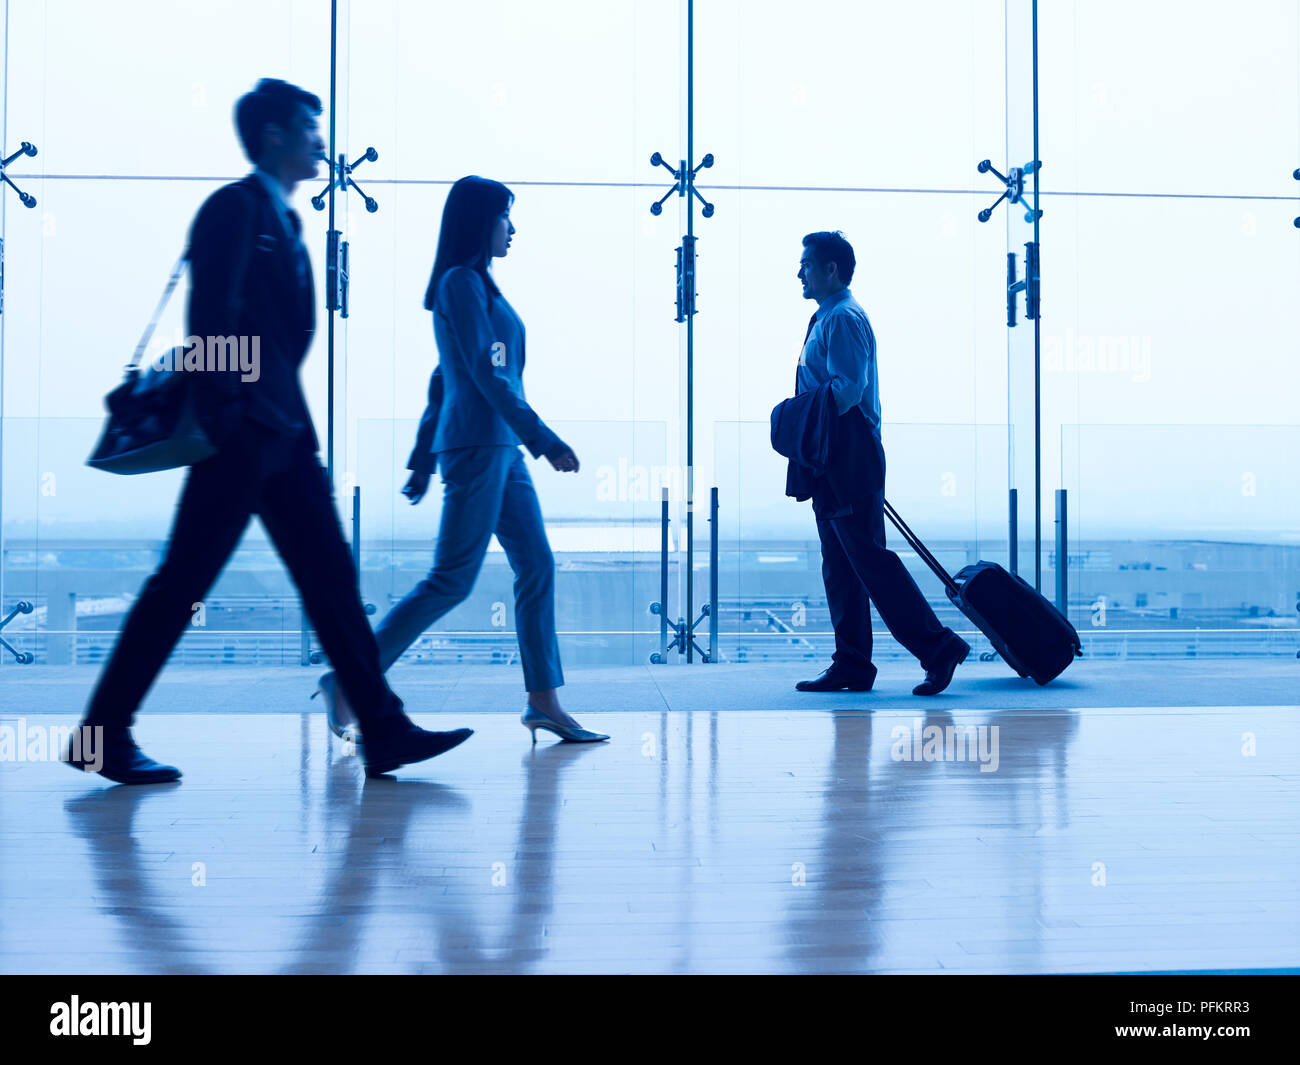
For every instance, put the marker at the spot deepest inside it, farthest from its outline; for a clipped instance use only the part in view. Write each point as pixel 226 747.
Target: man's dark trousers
pixel 279 478
pixel 858 569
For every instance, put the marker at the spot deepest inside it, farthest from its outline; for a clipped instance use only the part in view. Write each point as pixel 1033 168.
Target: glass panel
pixel 1023 232
pixel 109 93
pixel 83 271
pixel 1197 557
pixel 1178 102
pixel 869 119
pixel 79 544
pixel 847 95
pixel 1171 339
pixel 1168 349
pixel 527 93
pixel 565 106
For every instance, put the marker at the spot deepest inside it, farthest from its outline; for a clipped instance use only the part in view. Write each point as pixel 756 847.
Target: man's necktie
pixel 300 251
pixel 811 322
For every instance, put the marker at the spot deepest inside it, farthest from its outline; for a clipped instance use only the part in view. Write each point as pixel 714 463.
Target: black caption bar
pixel 1229 1013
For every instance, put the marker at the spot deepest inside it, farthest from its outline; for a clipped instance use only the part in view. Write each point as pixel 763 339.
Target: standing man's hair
pixel 830 248
pixel 473 206
pixel 272 102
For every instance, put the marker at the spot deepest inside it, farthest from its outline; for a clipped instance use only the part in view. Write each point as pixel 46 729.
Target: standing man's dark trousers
pixel 280 479
pixel 858 568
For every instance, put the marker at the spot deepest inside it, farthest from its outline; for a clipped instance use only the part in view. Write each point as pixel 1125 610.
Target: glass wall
pixel 131 113
pixel 561 107
pixel 1171 359
pixel 1169 332
pixel 868 119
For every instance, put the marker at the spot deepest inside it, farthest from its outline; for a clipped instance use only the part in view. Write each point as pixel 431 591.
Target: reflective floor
pixel 736 841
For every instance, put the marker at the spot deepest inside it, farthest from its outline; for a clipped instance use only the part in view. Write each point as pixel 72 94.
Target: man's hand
pixel 416 485
pixel 562 458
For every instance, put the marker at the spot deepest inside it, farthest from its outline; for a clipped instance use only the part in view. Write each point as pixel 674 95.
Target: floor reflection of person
pixel 462 934
pixel 155 940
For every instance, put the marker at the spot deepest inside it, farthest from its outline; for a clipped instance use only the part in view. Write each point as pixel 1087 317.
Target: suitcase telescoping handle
pixel 923 552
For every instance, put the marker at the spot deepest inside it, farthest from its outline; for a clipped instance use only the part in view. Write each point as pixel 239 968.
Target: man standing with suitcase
pixel 848 497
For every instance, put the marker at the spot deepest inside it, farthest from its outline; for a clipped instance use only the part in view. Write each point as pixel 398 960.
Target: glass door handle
pixel 1013 286
pixel 1027 284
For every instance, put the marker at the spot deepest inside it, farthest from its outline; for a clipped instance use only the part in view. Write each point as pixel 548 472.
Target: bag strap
pixel 923 552
pixel 177 270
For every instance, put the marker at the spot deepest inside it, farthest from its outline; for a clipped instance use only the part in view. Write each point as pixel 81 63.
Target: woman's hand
pixel 416 485
pixel 562 458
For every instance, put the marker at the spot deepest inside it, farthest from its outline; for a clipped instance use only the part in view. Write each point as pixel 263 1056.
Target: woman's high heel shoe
pixel 535 719
pixel 343 730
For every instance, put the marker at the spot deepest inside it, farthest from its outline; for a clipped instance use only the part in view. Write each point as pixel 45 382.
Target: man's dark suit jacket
pixel 837 460
pixel 244 282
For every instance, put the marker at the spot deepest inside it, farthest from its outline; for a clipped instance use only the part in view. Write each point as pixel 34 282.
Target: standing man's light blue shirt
pixel 841 348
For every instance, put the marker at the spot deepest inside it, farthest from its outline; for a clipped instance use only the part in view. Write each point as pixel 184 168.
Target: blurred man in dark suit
pixel 251 278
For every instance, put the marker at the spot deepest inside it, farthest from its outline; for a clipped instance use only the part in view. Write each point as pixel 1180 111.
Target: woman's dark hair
pixel 473 206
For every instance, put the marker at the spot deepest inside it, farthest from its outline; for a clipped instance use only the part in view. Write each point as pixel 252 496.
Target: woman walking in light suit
pixel 476 419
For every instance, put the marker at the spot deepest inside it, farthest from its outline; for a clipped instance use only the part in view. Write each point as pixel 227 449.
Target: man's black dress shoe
pixel 837 680
pixel 940 676
pixel 403 743
pixel 118 758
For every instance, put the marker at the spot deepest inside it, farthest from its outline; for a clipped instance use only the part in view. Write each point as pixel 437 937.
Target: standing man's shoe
pixel 112 753
pixel 838 679
pixel 403 743
pixel 939 677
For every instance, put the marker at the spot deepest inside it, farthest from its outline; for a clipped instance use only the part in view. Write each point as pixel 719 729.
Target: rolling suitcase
pixel 1032 636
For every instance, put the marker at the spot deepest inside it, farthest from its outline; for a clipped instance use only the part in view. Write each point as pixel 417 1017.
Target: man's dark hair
pixel 830 248
pixel 272 102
